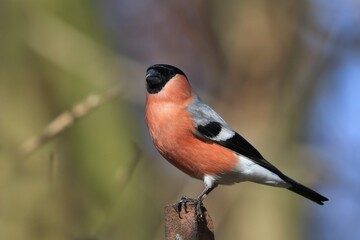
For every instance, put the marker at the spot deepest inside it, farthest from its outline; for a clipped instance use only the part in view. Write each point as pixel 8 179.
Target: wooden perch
pixel 187 226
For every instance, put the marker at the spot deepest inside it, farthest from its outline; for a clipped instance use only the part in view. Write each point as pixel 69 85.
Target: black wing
pixel 212 132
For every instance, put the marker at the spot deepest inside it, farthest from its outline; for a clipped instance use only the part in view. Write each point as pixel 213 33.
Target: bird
pixel 197 140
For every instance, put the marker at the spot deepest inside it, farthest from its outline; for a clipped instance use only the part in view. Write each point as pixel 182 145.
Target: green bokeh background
pixel 87 183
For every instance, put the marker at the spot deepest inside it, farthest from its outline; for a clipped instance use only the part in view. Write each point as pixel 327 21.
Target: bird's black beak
pixel 153 77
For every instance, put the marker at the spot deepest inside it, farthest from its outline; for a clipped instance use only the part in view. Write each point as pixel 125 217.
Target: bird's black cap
pixel 158 75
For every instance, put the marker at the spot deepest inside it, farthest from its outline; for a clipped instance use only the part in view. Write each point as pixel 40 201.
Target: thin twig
pixel 66 120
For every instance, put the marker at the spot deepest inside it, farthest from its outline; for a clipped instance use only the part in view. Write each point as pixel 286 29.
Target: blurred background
pixel 285 74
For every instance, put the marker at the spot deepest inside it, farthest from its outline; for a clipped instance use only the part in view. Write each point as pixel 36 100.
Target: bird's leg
pixel 206 192
pixel 200 199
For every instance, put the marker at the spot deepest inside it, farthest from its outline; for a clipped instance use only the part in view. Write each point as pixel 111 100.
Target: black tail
pixel 306 192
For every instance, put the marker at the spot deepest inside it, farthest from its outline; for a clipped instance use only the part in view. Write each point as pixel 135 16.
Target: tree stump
pixel 187 225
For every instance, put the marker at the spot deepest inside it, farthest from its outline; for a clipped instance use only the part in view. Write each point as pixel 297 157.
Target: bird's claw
pixel 182 204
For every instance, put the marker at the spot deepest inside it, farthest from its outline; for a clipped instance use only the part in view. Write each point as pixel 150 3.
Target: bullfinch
pixel 196 140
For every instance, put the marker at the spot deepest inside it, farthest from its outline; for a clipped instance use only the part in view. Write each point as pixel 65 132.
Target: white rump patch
pixel 253 172
pixel 247 170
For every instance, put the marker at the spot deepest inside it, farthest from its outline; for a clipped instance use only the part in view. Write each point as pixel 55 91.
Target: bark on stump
pixel 187 226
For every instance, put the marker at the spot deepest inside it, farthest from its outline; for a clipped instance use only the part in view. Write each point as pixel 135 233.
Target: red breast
pixel 171 128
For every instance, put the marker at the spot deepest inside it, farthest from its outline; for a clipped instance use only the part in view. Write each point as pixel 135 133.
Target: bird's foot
pixel 182 204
